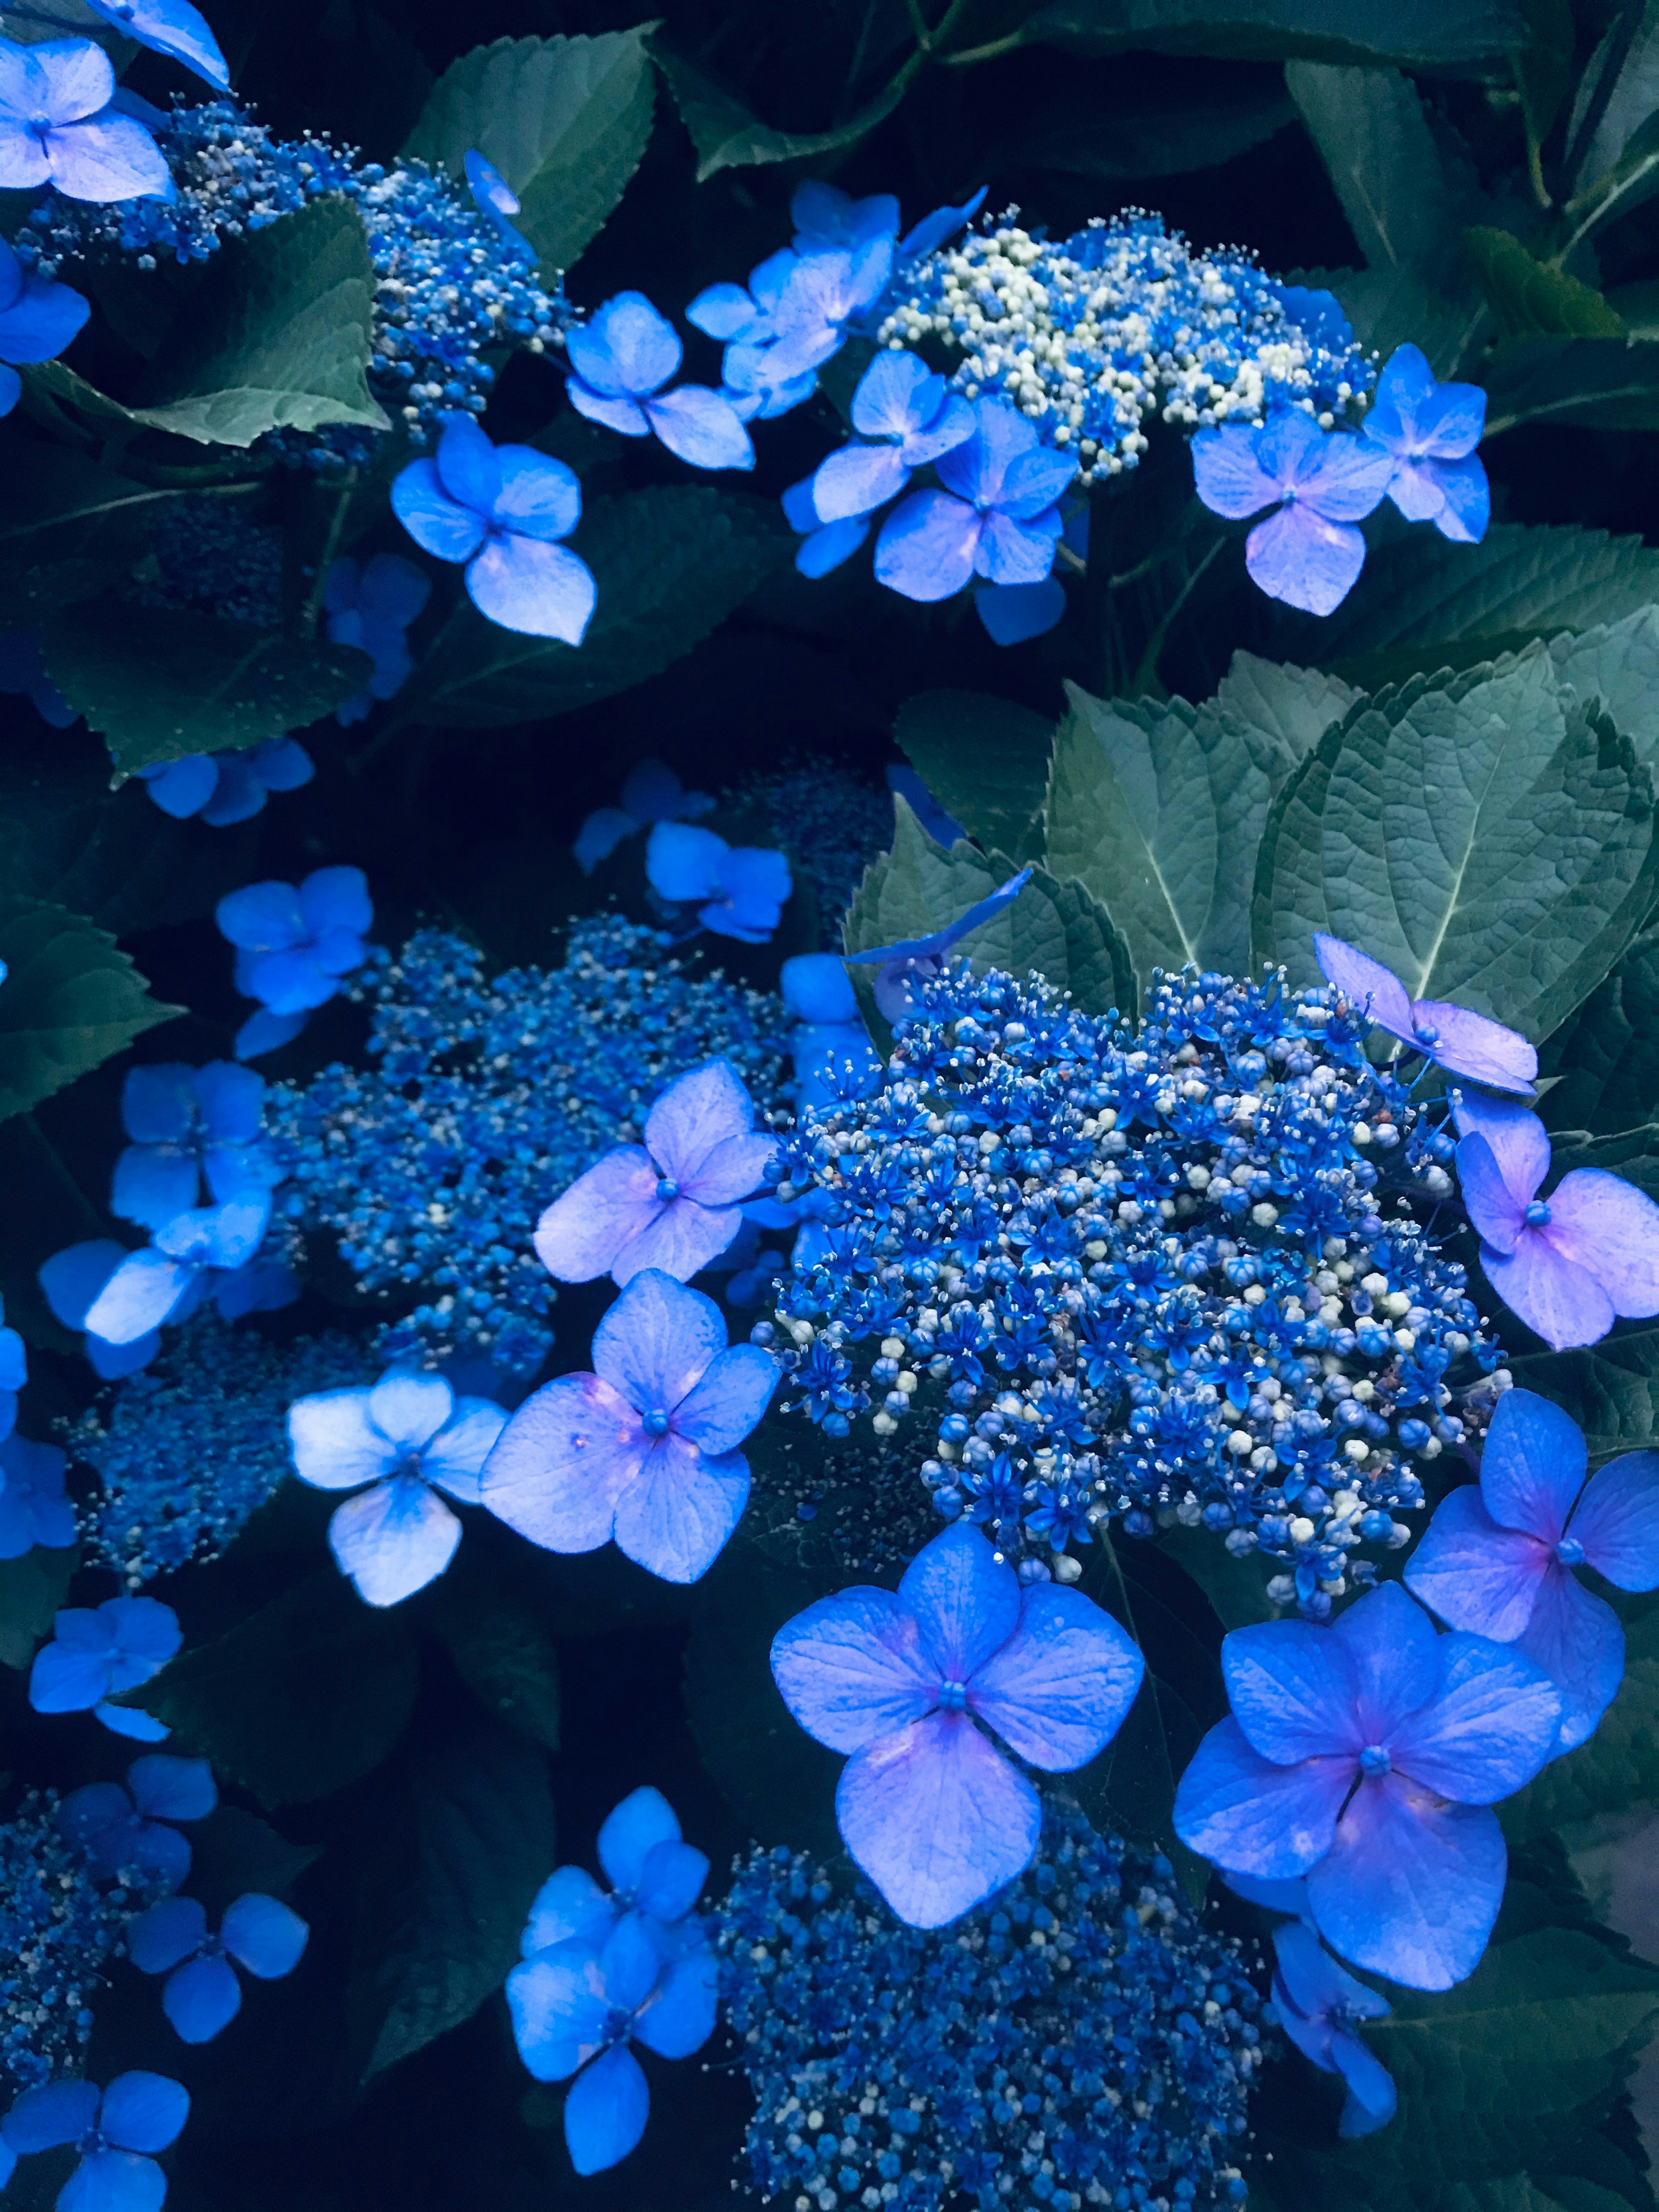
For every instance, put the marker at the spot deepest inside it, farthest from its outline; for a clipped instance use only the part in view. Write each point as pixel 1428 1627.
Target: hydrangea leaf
pixel 671 565
pixel 70 524
pixel 984 760
pixel 1618 1768
pixel 1604 383
pixel 48 1210
pixel 1604 1058
pixel 1618 664
pixel 1147 133
pixel 297 1700
pixel 728 135
pixel 1413 34
pixel 502 1648
pixel 1489 840
pixel 31 1590
pixel 233 1851
pixel 1610 1388
pixel 445 1883
pixel 159 683
pixel 1526 295
pixel 70 1000
pixel 565 121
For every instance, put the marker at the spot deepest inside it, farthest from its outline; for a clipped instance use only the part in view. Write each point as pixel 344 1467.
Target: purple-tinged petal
pixel 1293 1691
pixel 1518 1140
pixel 853 1668
pixel 611 411
pixel 1617 1520
pixel 569 1907
pixel 896 393
pixel 926 546
pixel 935 1818
pixel 265 1936
pixel 655 1342
pixel 1061 1686
pixel 605 2111
pixel 630 1831
pixel 674 1520
pixel 1396 1658
pixel 1228 472
pixel 107 157
pixel 1489 1731
pixel 1366 983
pixel 1611 1230
pixel 1578 1643
pixel 334 1442
pixel 1561 1302
pixel 678 2017
pixel 560 2010
pixel 1316 1985
pixel 856 481
pixel 562 1461
pixel 1451 421
pixel 728 1401
pixel 1497 1215
pixel 701 426
pixel 24 162
pixel 730 1170
pixel 537 590
pixel 1236 1808
pixel 1532 1465
pixel 965 1600
pixel 454 1459
pixel 438 524
pixel 1416 490
pixel 951 427
pixel 1350 477
pixel 1411 1885
pixel 144 2111
pixel 696 1113
pixel 1475 1573
pixel 1298 557
pixel 722 311
pixel 682 1240
pixel 587 1225
pixel 1471 1044
pixel 394 1539
pixel 202 1997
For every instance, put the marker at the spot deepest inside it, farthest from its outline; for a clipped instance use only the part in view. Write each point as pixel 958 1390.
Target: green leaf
pixel 1607 1056
pixel 1617 664
pixel 445 1890
pixel 233 1851
pixel 1374 138
pixel 1610 1388
pixel 306 1694
pixel 1605 383
pixel 277 336
pixel 1146 131
pixel 159 683
pixel 46 1209
pixel 502 1649
pixel 1413 34
pixel 1237 1589
pixel 31 1590
pixel 670 564
pixel 1488 840
pixel 1526 296
pixel 1617 1769
pixel 564 119
pixel 984 760
pixel 71 999
pixel 728 135
pixel 69 524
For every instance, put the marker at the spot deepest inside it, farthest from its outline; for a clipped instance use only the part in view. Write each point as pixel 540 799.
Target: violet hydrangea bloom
pixel 33 1508
pixel 655 1874
pixel 1429 432
pixel 1572 1263
pixel 1501 1558
pixel 996 516
pixel 644 1448
pixel 620 361
pixel 1320 482
pixel 673 1202
pixel 1462 1042
pixel 502 509
pixel 398 1444
pixel 370 603
pixel 173 27
pixel 1320 2005
pixel 295 948
pixel 202 1994
pixel 1367 1756
pixel 116 2130
pixel 58 127
pixel 742 887
pixel 187 1126
pixel 910 417
pixel 129 1830
pixel 915 959
pixel 220 788
pixel 909 1682
pixel 653 792
pixel 38 318
pixel 92 1655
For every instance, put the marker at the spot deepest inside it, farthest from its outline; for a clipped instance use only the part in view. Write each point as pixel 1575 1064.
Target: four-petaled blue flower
pixel 1429 432
pixel 128 1832
pixel 673 1202
pixel 620 363
pixel 187 1125
pixel 654 1873
pixel 914 960
pixel 117 2132
pixel 742 887
pixel 14 1367
pixel 38 318
pixel 202 1994
pixel 1462 1043
pixel 151 1285
pixel 370 603
pixel 911 416
pixel 908 1683
pixel 1568 1265
pixel 33 1509
pixel 643 1449
pixel 408 1437
pixel 1367 1756
pixel 1500 1558
pixel 502 509
pixel 652 793
pixel 173 27
pixel 996 518
pixel 1320 2005
pixel 295 948
pixel 833 1055
pixel 94 1654
pixel 56 126
pixel 225 788
pixel 1321 483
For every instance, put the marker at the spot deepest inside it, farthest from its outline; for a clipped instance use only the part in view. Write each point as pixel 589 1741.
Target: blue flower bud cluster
pixel 432 1168
pixel 1122 320
pixel 1149 1270
pixel 186 1451
pixel 58 1931
pixel 451 287
pixel 1079 2040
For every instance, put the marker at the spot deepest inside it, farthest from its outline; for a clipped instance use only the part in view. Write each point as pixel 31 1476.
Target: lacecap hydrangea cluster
pixel 58 1931
pixel 450 288
pixel 1091 336
pixel 432 1168
pixel 1165 1273
pixel 1079 2040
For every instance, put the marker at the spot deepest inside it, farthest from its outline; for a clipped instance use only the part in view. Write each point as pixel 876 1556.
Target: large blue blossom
pixel 220 788
pixel 202 1994
pixel 92 1655
pixel 130 1833
pixel 996 518
pixel 620 361
pixel 738 890
pixel 56 126
pixel 1320 484
pixel 117 2132
pixel 1429 432
pixel 1320 2006
pixel 188 1126
pixel 294 947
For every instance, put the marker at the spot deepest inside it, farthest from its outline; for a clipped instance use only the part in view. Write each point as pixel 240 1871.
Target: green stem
pixel 1145 675
pixel 970 55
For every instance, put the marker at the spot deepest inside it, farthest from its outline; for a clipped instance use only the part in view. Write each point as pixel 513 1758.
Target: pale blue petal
pixel 853 1668
pixel 603 1211
pixel 656 1341
pixel 631 1832
pixel 826 549
pixel 626 347
pixel 895 395
pixel 699 1130
pixel 559 2008
pixel 138 1296
pixel 1236 1808
pixel 394 1539
pixel 926 547
pixel 1617 1520
pixel 455 1460
pixel 612 410
pixel 172 27
pixel 539 497
pixel 570 1906
pixel 964 1598
pixel 723 312
pixel 1015 552
pixel 438 524
pixel 702 426
pixel 411 1408
pixel 1061 1688
pixel 1411 1885
pixel 1300 558
pixel 562 1461
pixel 201 1997
pixel 1490 1729
pixel 856 481
pixel 675 1518
pixel 1532 1465
pixel 605 2112
pixel 1579 1644
pixel 935 1818
pixel 1229 473
pixel 1466 499
pixel 630 1963
pixel 1475 1573
pixel 109 157
pixel 539 590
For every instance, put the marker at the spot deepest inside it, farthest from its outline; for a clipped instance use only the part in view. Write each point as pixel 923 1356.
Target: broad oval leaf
pixel 984 760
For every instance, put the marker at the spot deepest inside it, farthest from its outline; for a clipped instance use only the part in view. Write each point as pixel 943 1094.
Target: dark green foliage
pixel 71 999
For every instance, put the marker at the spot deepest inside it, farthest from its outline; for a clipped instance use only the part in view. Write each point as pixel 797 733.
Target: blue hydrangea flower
pixel 33 1509
pixel 38 318
pixel 14 1367
pixel 653 792
pixel 1570 1264
pixel 116 2131
pixel 1320 484
pixel 502 509
pixel 1013 613
pixel 825 545
pixel 904 783
pixel 56 126
pixel 904 967
pixel 294 947
pixel 1320 2005
pixel 739 314
pixel 129 1833
pixel 996 516
pixel 910 417
pixel 1462 1043
pixel 1367 1756
pixel 24 671
pixel 743 887
pixel 620 361
pixel 1429 431
pixel 163 1279
pixel 654 1874
pixel 173 27
pixel 672 1203
pixel 1500 1558
pixel 370 603
pixel 494 196
pixel 908 1683
pixel 92 1655
pixel 202 1994
pixel 225 788
pixel 643 1450
pixel 72 1281
pixel 833 1054
pixel 187 1126
pixel 827 291
pixel 408 1438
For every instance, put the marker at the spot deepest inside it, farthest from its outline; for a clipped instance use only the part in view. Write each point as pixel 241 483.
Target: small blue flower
pixel 1320 2005
pixel 128 1832
pixel 652 793
pixel 1429 431
pixel 653 1872
pixel 33 1509
pixel 997 517
pixel 832 1039
pixel 22 670
pixel 1321 483
pixel 913 961
pixel 742 887
pixel 58 127
pixel 202 1994
pixel 173 27
pixel 910 416
pixel 164 1278
pixel 75 1279
pixel 620 361
pixel 115 2130
pixel 14 1364
pixel 502 510
pixel 408 1437
pixel 225 788
pixel 94 1654
pixel 494 196
pixel 740 315
pixel 294 947
pixel 38 320
pixel 370 603
pixel 188 1125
